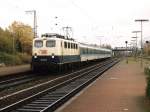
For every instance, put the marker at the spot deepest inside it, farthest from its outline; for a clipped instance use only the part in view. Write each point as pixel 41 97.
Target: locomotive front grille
pixel 46 59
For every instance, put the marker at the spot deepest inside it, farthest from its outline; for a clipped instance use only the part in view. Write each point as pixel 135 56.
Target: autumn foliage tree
pixel 5 41
pixel 16 44
pixel 23 36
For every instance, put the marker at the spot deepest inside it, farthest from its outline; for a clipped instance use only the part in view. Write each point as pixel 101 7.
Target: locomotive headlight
pixel 35 55
pixel 53 55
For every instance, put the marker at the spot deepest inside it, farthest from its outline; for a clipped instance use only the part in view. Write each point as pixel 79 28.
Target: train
pixel 55 50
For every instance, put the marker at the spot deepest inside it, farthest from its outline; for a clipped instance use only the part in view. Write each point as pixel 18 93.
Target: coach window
pixel 87 52
pixel 94 51
pixel 97 51
pixel 50 43
pixel 38 43
pixel 65 44
pixel 84 51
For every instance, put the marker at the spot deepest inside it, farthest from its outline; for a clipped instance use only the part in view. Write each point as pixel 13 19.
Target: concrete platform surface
pixel 14 69
pixel 120 89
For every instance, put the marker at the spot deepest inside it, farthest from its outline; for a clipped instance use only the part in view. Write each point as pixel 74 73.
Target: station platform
pixel 14 69
pixel 120 89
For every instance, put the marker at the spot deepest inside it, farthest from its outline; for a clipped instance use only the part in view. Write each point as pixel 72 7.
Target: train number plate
pixel 43 51
pixel 43 59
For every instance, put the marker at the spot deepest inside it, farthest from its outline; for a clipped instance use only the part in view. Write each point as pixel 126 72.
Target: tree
pixel 5 41
pixel 23 36
pixel 106 46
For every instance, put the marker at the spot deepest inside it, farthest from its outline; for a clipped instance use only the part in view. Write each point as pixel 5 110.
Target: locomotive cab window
pixel 38 43
pixel 51 43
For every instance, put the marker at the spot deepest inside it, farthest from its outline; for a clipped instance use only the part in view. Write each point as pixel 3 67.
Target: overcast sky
pixel 92 21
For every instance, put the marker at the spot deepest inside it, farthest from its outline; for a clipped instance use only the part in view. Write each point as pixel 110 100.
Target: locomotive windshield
pixel 38 43
pixel 51 43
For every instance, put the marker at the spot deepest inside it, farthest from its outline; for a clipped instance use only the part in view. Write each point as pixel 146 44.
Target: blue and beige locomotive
pixel 52 50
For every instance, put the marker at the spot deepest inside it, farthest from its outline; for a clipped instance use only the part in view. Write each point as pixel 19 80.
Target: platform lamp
pixel 134 46
pixel 147 47
pixel 126 42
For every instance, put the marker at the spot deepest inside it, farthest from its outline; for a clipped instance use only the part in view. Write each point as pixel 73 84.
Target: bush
pixel 25 58
pixel 147 72
pixel 148 87
pixel 17 59
pixel 9 59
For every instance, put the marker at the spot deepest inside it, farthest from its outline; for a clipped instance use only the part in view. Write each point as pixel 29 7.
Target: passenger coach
pixel 90 52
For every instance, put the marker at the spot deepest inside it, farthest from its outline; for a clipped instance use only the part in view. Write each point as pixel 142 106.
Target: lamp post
pixel 35 21
pixel 136 42
pixel 126 42
pixel 100 38
pixel 135 46
pixel 141 21
pixel 133 42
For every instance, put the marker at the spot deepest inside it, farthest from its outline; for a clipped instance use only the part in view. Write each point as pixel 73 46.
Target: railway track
pixel 12 84
pixel 61 89
pixel 19 94
pixel 9 83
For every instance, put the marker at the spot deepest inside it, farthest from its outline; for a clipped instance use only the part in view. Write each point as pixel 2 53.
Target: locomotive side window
pixel 68 45
pixel 61 44
pixel 38 43
pixel 76 46
pixel 71 45
pixel 65 44
pixel 51 43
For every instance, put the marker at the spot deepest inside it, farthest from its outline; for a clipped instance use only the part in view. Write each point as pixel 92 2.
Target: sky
pixel 92 21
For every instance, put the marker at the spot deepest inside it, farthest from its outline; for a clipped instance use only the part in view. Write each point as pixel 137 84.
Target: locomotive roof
pixel 52 35
pixel 54 38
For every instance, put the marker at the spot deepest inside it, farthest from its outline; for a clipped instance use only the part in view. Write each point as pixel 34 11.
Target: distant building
pixel 122 51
